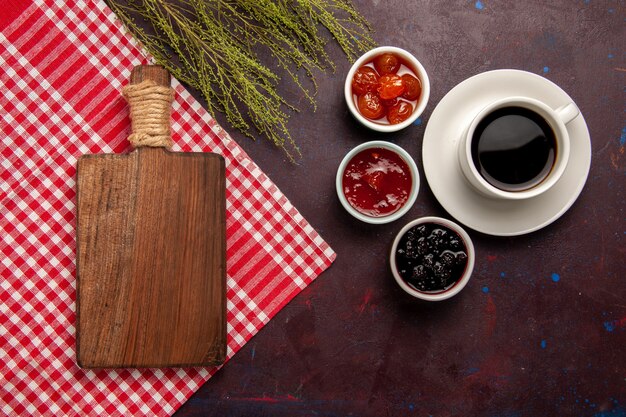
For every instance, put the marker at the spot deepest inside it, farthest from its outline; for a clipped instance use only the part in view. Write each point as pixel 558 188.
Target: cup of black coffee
pixel 516 147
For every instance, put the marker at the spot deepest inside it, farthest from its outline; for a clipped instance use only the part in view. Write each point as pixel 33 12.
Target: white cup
pixel 556 119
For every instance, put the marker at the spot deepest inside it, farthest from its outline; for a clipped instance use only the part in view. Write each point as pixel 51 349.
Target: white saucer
pixel 444 176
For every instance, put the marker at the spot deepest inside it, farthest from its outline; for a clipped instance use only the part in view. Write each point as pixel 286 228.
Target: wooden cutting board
pixel 151 286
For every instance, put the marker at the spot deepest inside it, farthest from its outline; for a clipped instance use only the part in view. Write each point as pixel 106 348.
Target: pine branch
pixel 213 46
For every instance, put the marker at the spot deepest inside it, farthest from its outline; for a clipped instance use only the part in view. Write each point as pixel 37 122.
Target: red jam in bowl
pixel 377 182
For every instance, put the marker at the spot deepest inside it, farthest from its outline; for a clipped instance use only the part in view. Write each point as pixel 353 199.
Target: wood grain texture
pixel 156 73
pixel 151 287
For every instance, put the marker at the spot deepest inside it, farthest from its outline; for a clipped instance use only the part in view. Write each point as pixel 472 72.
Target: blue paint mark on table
pixel 616 412
pixel 471 371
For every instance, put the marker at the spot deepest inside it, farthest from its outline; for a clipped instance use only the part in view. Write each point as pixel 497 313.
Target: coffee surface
pixel 514 148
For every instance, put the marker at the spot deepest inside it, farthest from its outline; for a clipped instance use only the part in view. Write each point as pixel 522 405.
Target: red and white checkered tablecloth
pixel 62 65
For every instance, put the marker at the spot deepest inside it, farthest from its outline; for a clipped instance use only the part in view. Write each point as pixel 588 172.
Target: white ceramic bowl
pixel 454 289
pixel 414 65
pixel 415 183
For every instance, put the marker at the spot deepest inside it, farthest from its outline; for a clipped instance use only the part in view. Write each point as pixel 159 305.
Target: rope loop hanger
pixel 150 107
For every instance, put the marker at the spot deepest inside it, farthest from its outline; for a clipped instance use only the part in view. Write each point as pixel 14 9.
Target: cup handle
pixel 567 112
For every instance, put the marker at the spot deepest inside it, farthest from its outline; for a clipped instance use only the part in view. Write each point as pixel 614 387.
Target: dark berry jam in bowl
pixel 432 258
pixel 371 89
pixel 377 182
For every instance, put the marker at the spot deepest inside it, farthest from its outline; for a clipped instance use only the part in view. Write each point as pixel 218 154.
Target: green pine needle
pixel 212 46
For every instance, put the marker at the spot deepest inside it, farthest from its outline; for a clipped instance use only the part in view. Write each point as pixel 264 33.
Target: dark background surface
pixel 540 330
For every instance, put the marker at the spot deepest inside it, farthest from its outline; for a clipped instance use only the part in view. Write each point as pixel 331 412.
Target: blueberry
pixel 421 230
pixel 410 248
pixel 447 258
pixel 439 233
pixel 419 273
pixel 441 271
pixel 461 258
pixel 422 246
pixel 433 243
pixel 445 274
pixel 429 260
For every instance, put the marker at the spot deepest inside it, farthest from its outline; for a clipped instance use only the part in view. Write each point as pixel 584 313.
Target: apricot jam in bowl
pixel 377 182
pixel 387 89
pixel 432 258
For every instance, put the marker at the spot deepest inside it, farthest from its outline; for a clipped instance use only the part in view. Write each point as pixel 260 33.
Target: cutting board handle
pixel 150 97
